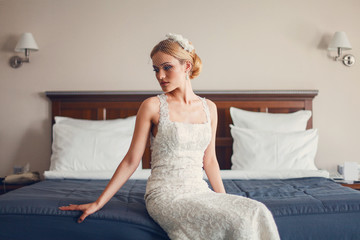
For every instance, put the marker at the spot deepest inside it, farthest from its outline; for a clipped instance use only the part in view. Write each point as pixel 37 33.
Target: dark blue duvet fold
pixel 304 208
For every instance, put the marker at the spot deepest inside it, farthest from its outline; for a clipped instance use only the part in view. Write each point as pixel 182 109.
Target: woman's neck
pixel 184 95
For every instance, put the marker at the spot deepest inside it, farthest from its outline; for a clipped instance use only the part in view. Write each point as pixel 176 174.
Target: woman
pixel 182 128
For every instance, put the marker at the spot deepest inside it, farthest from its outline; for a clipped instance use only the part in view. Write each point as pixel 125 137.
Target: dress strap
pixel 164 108
pixel 206 109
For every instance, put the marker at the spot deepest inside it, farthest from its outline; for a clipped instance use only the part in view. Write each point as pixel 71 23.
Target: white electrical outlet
pixel 351 171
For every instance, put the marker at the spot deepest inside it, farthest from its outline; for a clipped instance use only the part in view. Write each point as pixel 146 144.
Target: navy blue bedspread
pixel 305 208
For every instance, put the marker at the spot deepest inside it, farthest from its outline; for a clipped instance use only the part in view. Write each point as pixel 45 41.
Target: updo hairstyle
pixel 174 49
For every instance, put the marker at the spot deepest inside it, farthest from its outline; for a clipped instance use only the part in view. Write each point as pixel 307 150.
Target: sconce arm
pixel 338 57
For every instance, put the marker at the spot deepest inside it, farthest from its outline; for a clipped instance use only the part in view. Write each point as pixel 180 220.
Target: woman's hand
pixel 87 209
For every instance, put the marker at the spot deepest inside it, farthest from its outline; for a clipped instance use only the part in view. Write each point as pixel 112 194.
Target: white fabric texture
pixel 180 200
pixel 140 174
pixel 90 145
pixel 268 174
pixel 278 122
pixel 265 150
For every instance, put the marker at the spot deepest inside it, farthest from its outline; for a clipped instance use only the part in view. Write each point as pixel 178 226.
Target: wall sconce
pixel 340 42
pixel 25 44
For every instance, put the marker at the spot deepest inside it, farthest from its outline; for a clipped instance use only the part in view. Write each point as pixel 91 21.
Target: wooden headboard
pixel 102 105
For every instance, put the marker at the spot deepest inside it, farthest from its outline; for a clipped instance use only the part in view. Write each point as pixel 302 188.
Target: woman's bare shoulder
pixel 151 102
pixel 211 104
pixel 150 105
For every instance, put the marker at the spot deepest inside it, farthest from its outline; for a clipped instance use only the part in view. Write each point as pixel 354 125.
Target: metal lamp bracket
pixel 348 60
pixel 16 61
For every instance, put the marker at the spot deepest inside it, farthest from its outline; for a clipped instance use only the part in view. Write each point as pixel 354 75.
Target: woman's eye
pixel 167 67
pixel 156 70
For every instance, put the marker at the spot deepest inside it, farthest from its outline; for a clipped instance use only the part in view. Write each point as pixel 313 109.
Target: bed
pixel 306 204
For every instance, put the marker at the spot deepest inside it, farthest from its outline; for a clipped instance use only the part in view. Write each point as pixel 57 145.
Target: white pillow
pixel 265 150
pixel 278 122
pixel 90 145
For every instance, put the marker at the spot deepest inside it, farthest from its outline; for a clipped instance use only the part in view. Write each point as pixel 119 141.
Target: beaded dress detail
pixel 178 198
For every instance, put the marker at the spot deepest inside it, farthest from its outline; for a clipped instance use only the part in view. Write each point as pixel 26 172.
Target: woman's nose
pixel 161 75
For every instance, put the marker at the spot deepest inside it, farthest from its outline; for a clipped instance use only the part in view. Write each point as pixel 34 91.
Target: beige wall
pixel 104 45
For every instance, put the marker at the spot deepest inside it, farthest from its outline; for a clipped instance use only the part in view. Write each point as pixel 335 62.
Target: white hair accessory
pixel 183 42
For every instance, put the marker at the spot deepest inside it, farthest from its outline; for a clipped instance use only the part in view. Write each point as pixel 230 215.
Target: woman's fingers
pixel 82 217
pixel 87 209
pixel 71 207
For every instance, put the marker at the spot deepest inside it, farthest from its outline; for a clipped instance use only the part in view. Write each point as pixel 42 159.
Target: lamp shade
pixel 339 40
pixel 26 41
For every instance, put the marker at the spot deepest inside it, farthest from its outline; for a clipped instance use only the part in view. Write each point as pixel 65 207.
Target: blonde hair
pixel 173 49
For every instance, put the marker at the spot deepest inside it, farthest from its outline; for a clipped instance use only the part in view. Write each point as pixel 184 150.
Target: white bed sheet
pixel 275 174
pixel 225 174
pixel 96 175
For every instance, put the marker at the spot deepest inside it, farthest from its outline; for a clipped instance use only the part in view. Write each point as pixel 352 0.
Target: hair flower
pixel 183 42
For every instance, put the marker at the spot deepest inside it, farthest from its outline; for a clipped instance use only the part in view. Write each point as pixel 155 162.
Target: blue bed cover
pixel 303 208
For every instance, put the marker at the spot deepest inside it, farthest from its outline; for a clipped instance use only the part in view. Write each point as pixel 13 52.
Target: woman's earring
pixel 187 76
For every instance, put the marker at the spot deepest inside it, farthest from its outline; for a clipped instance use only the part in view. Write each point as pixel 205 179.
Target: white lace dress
pixel 180 201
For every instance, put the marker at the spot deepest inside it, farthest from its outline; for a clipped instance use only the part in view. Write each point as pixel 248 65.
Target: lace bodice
pixel 177 150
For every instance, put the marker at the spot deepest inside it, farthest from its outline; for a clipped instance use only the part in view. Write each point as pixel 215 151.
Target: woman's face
pixel 170 73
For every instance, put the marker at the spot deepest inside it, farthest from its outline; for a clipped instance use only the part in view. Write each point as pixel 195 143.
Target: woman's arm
pixel 145 117
pixel 211 165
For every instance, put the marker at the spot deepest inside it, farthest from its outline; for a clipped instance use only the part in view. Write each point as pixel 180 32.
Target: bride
pixel 182 127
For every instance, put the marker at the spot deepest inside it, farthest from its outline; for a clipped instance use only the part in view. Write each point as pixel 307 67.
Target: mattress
pixel 303 208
